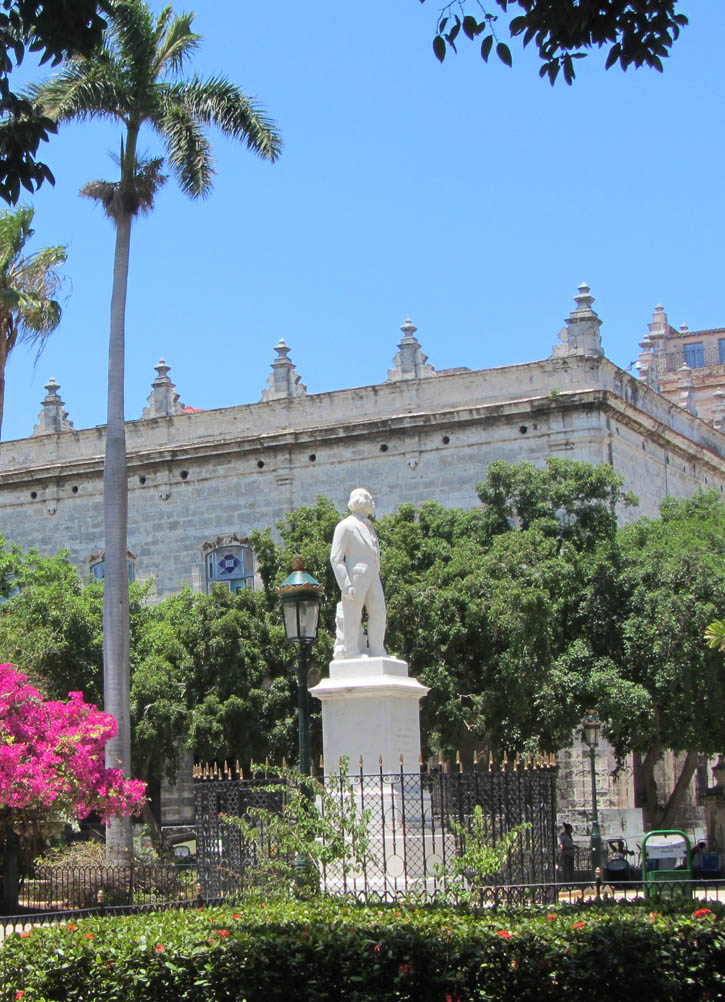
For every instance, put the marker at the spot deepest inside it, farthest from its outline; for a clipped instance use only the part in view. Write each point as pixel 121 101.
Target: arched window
pixel 98 570
pixel 231 565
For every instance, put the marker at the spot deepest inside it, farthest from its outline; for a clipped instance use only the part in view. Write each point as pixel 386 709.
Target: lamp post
pixel 590 729
pixel 301 596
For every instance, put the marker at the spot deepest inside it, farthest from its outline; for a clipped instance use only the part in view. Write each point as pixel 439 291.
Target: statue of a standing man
pixel 355 559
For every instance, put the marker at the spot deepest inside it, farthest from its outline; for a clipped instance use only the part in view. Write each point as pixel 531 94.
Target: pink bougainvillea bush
pixel 52 756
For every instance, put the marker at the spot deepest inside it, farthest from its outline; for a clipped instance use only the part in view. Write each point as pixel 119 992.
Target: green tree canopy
pixel 29 283
pixel 56 29
pixel 634 32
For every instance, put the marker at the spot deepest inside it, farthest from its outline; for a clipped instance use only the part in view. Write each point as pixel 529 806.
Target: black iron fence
pixel 418 823
pixel 59 888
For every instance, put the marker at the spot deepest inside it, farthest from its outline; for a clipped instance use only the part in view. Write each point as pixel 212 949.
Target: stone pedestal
pixel 370 709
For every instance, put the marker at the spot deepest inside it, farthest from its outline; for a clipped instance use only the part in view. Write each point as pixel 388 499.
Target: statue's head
pixel 361 502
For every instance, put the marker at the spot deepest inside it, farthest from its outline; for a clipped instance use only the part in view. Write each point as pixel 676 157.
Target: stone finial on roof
pixel 647 363
pixel 410 361
pixel 686 384
pixel 53 418
pixel 684 330
pixel 163 401
pixel 581 334
pixel 718 410
pixel 660 330
pixel 284 380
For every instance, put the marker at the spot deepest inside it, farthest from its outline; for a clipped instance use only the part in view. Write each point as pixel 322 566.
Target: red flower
pixel 405 968
pixel 24 935
pixel 552 917
pixel 159 948
pixel 701 912
pixel 89 935
pixel 19 994
pixel 236 916
pixel 378 947
pixel 578 925
pixel 71 927
pixel 222 932
pixel 504 934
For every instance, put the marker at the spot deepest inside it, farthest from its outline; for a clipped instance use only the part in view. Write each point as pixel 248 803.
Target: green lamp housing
pixel 590 728
pixel 301 596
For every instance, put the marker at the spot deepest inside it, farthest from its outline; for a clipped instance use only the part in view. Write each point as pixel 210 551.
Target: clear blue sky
pixel 471 198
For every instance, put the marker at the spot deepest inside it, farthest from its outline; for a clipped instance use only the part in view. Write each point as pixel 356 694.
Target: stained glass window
pixel 232 566
pixel 98 570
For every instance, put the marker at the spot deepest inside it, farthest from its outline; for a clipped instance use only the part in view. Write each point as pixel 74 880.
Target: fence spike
pixel 266 762
pixel 380 761
pixel 458 761
pixel 401 760
pixel 421 762
pixel 440 758
pixel 322 763
pixel 361 763
pixel 284 761
pixel 490 761
pixel 241 772
pixel 238 768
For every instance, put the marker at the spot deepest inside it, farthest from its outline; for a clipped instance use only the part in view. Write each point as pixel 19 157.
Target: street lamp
pixel 590 728
pixel 301 596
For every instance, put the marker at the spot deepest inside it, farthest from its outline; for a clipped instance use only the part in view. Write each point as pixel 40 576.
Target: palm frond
pixel 219 102
pixel 175 42
pixel 131 38
pixel 128 198
pixel 84 90
pixel 187 149
pixel 15 231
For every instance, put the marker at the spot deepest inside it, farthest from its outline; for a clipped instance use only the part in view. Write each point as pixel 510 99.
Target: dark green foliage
pixel 332 949
pixel 57 29
pixel 635 32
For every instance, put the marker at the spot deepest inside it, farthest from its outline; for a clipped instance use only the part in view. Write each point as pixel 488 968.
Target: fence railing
pixel 58 888
pixel 418 823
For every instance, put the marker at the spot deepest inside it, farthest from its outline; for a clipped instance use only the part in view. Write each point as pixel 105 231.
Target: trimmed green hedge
pixel 332 950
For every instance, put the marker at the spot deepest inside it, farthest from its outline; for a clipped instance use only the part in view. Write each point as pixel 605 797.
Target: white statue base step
pixel 370 710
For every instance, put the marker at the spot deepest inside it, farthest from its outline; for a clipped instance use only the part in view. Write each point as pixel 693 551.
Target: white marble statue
pixel 355 559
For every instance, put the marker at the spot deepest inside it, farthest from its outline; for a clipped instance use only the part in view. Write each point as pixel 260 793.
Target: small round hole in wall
pixel 33 495
pixel 523 428
pixel 384 447
pixel 142 480
pixel 74 490
pixel 260 464
pixel 184 474
pixel 312 457
pixel 445 439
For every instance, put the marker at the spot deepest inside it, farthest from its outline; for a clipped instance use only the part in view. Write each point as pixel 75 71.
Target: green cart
pixel 667 864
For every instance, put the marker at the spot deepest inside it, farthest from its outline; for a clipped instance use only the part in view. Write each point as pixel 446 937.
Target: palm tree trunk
pixel 3 360
pixel 116 681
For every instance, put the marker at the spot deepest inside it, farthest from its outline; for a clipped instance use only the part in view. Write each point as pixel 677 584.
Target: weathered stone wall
pixel 196 476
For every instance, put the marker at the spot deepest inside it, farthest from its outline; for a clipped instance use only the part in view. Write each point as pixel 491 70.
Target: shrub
pixel 334 949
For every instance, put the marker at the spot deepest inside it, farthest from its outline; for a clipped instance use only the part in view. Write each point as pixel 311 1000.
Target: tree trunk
pixel 663 815
pixel 3 360
pixel 683 781
pixel 116 680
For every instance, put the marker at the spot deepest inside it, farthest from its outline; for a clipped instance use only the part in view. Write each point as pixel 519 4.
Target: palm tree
pixel 28 282
pixel 136 80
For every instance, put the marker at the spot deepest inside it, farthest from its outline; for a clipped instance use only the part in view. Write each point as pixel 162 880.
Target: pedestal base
pixel 370 711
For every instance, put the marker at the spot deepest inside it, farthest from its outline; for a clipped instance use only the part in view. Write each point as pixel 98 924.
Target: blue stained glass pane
pixel 229 563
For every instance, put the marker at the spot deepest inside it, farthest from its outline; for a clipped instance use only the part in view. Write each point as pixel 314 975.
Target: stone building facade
pixel 200 481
